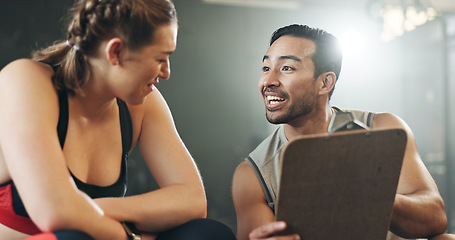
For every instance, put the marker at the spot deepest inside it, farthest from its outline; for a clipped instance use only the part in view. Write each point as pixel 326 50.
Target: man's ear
pixel 114 48
pixel 328 80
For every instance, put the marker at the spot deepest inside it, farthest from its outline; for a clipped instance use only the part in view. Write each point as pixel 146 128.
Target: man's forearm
pixel 419 214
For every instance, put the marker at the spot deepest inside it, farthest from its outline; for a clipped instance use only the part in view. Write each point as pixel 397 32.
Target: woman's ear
pixel 114 48
pixel 328 82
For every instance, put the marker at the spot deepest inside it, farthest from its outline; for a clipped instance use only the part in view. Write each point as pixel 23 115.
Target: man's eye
pixel 287 68
pixel 265 69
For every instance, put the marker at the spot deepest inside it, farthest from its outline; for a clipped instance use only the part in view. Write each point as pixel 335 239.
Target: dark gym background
pixel 213 92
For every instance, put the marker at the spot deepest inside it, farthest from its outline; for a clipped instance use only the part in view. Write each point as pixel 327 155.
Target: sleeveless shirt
pixel 265 159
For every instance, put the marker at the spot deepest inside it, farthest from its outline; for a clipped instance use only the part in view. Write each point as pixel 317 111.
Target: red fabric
pixel 10 219
pixel 43 236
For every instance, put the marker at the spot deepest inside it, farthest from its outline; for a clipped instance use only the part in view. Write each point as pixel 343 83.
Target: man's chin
pixel 275 120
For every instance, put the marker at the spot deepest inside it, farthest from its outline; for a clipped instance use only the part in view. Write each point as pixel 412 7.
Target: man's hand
pixel 148 236
pixel 266 231
pixel 446 236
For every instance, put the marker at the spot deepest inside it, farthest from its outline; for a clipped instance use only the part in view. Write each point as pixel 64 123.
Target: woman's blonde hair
pixel 91 22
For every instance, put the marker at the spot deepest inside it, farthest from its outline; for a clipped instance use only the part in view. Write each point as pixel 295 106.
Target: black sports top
pixel 118 189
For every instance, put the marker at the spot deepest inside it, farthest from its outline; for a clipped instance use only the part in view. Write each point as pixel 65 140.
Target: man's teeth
pixel 274 99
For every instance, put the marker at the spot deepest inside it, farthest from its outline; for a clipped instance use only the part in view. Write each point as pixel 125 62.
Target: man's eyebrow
pixel 291 57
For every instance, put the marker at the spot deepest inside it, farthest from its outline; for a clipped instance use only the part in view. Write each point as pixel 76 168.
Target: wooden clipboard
pixel 340 185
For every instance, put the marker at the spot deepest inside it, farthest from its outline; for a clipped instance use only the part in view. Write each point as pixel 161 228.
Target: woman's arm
pixel 418 209
pixel 34 159
pixel 181 196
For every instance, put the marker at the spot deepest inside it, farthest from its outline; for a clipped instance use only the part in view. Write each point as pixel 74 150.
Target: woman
pixel 97 88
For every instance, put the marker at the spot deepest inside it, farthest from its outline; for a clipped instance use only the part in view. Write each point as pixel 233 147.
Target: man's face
pixel 287 84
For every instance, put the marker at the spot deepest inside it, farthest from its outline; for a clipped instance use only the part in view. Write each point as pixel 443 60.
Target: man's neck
pixel 313 123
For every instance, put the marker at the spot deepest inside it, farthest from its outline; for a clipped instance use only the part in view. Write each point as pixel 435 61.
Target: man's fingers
pixel 287 237
pixel 267 230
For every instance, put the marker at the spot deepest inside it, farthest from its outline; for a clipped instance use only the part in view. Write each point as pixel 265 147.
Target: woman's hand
pixel 268 230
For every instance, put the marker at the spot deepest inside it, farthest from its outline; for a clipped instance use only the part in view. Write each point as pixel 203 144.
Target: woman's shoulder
pixel 26 66
pixel 26 72
pixel 153 103
pixel 154 112
pixel 28 80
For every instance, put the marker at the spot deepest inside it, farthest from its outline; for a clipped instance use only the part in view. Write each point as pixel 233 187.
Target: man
pixel 300 70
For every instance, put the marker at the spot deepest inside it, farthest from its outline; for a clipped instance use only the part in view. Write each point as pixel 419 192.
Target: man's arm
pixel 255 219
pixel 418 209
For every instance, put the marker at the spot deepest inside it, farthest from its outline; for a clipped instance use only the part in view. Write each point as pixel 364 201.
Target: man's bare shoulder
pixel 388 121
pixel 243 172
pixel 245 181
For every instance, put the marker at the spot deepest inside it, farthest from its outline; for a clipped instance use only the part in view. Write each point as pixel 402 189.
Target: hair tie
pixel 71 45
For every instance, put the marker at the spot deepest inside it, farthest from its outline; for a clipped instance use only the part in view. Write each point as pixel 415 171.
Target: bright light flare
pixel 352 44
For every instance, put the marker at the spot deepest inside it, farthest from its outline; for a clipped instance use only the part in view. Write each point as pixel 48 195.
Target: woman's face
pixel 141 69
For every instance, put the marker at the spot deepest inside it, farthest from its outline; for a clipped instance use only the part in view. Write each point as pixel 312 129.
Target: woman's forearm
pixel 158 210
pixel 86 216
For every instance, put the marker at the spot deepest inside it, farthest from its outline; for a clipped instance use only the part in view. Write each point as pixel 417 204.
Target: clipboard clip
pixel 344 121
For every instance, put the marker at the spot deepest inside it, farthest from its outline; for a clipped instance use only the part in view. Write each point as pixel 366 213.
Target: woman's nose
pixel 165 71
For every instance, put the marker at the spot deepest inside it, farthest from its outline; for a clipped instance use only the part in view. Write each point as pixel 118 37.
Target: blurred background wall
pixel 213 91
